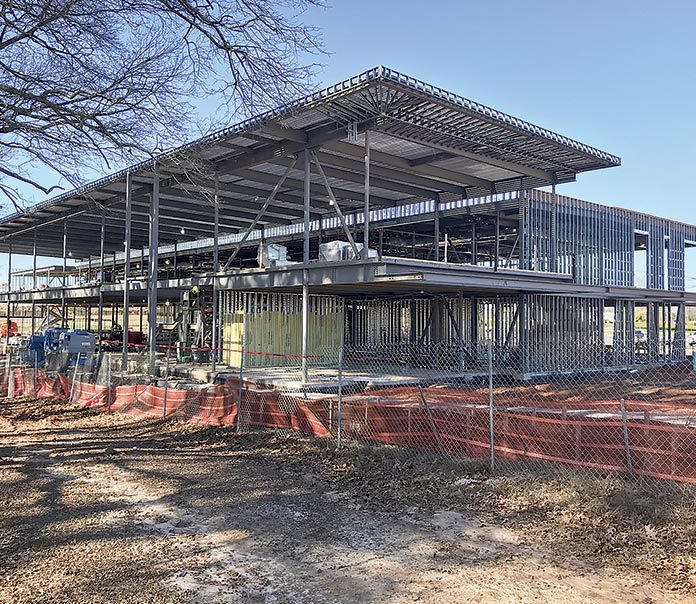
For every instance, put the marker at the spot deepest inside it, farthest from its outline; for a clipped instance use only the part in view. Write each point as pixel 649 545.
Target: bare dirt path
pixel 98 508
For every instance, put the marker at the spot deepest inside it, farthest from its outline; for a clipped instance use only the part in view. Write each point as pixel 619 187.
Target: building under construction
pixel 381 214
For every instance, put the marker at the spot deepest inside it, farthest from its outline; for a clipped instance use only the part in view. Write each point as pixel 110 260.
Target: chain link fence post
pixel 241 389
pixel 491 409
pixel 108 381
pixel 627 447
pixel 339 422
pixel 35 354
pixel 74 378
pixel 10 373
pixel 166 384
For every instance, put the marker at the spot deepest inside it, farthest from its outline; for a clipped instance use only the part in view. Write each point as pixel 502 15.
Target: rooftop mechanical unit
pixel 337 251
pixel 273 254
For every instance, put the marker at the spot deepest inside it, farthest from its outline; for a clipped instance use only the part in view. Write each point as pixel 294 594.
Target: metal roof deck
pixel 424 141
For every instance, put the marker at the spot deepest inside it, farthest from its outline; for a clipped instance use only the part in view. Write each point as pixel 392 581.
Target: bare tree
pixel 97 82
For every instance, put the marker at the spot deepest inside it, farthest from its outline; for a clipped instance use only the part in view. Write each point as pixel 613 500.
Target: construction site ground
pixel 98 507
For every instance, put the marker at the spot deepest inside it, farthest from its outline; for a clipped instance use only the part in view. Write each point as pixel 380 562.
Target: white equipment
pixel 272 254
pixel 337 251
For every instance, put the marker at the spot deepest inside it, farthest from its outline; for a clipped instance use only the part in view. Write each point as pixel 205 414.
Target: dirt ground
pixel 105 508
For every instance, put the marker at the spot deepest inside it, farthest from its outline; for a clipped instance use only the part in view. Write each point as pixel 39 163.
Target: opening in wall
pixel 640 259
pixel 690 266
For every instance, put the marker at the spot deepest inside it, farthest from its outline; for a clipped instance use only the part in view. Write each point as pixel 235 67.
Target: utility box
pixel 77 341
pixel 338 251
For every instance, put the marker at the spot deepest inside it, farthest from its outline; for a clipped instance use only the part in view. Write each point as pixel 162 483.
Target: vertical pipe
pixel 126 270
pixel 100 317
pixel 64 319
pixel 153 260
pixel 366 208
pixel 305 234
pixel 216 268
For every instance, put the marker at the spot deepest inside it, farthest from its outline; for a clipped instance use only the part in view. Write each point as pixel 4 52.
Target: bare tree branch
pixel 91 83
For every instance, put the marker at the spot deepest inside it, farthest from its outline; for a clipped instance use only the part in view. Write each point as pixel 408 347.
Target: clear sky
pixel 619 75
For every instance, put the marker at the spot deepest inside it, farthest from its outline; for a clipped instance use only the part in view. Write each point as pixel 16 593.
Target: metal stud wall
pixel 596 243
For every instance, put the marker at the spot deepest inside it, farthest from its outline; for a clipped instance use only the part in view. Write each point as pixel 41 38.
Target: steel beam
pixel 549 177
pixel 442 175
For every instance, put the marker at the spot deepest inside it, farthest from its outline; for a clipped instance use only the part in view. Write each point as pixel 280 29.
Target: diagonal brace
pixel 334 202
pixel 263 209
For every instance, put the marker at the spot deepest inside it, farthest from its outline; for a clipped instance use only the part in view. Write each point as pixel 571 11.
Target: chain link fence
pixel 436 401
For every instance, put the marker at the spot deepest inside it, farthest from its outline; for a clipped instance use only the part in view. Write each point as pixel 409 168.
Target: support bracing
pixel 261 212
pixel 336 206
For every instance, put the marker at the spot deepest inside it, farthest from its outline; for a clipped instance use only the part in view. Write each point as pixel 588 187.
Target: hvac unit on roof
pixel 336 251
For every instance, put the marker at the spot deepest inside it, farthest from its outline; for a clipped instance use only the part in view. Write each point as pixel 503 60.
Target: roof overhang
pixel 424 142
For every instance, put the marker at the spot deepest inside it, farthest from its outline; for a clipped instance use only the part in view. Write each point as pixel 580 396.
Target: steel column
pixel 496 259
pixel 474 245
pixel 9 291
pixel 153 261
pixel 33 286
pixel 216 270
pixel 126 269
pixel 436 229
pixel 366 208
pixel 307 208
pixel 305 331
pixel 100 318
pixel 64 319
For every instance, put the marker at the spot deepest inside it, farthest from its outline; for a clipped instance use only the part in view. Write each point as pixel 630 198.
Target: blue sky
pixel 618 75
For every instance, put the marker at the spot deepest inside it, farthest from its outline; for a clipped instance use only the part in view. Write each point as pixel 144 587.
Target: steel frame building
pixel 469 250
